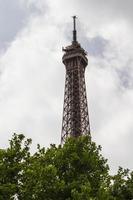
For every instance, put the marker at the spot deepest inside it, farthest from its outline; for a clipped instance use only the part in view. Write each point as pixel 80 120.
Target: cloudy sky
pixel 32 75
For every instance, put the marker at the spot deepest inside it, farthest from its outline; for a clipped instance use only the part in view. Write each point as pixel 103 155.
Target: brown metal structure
pixel 75 112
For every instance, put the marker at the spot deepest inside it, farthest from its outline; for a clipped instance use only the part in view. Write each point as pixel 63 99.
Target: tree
pixel 12 161
pixel 75 171
pixel 122 187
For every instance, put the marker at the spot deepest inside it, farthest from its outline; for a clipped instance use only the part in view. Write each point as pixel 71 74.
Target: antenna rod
pixel 74 29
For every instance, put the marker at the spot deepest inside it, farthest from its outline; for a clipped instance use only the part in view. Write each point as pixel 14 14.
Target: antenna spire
pixel 74 29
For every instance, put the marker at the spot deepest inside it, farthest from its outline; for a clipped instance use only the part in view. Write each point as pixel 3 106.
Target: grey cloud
pixel 13 17
pixel 95 46
pixel 125 76
pixel 108 8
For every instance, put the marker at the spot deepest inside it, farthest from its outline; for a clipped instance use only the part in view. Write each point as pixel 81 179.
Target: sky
pixel 32 76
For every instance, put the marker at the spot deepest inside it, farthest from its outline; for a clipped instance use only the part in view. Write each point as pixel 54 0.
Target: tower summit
pixel 75 111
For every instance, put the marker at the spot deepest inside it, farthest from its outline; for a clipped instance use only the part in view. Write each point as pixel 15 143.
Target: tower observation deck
pixel 75 120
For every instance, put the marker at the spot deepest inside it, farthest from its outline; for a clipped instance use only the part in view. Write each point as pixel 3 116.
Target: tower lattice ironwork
pixel 75 111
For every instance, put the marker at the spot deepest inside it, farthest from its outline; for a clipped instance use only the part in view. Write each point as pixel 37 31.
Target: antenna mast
pixel 74 29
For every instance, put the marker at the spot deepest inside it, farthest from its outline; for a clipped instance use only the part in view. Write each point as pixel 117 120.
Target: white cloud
pixel 29 93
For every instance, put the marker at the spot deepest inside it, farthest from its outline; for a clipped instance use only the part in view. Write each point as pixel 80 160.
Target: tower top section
pixel 74 30
pixel 74 50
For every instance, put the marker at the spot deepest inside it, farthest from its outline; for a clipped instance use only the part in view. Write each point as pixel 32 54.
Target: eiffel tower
pixel 75 120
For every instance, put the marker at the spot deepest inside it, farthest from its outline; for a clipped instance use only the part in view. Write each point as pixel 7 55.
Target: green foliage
pixel 122 187
pixel 74 171
pixel 12 161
